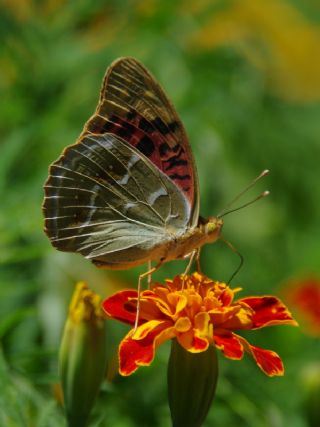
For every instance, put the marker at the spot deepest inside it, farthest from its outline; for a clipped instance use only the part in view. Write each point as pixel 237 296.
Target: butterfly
pixel 127 191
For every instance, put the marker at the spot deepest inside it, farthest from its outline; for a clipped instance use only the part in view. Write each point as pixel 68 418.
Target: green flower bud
pixel 311 383
pixel 82 357
pixel 192 380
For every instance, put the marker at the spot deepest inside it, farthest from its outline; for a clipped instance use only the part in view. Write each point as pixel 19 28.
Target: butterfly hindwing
pixel 133 106
pixel 98 202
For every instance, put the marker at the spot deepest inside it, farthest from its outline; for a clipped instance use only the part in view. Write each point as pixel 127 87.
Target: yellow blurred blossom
pixel 25 10
pixel 276 37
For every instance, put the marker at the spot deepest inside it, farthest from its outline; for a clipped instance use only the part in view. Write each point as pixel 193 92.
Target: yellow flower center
pixel 196 302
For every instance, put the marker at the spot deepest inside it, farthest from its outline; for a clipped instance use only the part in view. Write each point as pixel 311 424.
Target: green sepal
pixel 192 380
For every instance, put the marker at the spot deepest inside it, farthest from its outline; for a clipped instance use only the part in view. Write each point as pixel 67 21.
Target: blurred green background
pixel 245 78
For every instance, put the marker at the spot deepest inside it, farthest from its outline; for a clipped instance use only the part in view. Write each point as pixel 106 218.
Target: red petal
pixel 192 343
pixel 227 297
pixel 268 311
pixel 199 344
pixel 135 353
pixel 268 361
pixel 230 345
pixel 304 296
pixel 115 306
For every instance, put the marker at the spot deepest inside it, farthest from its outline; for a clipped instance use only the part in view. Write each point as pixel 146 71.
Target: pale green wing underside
pixel 107 201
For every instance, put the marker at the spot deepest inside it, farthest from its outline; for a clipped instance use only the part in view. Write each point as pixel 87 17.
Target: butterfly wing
pixel 107 201
pixel 133 106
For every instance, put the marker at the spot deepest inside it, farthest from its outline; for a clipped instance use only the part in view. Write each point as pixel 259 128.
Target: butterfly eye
pixel 213 226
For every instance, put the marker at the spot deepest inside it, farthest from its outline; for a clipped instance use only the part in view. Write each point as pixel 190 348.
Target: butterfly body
pixel 127 191
pixel 176 247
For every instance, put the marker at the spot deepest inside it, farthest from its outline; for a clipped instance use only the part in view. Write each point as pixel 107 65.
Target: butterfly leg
pixel 141 277
pixel 149 275
pixel 191 259
pixel 199 269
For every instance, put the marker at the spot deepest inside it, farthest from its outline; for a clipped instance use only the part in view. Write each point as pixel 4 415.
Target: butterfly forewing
pixel 107 201
pixel 133 106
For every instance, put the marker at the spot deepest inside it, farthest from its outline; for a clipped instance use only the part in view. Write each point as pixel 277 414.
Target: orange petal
pixel 235 317
pixel 115 306
pixel 194 303
pixel 203 332
pixel 192 343
pixel 122 306
pixel 304 296
pixel 183 324
pixel 268 361
pixel 268 311
pixel 135 353
pixel 178 301
pixel 229 344
pixel 199 344
pixel 161 291
pixel 202 325
pixel 151 308
pixel 227 296
pixel 194 339
pixel 158 299
pixel 146 328
pixel 169 303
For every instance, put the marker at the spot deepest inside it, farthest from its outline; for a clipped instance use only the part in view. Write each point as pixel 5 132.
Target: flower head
pixel 304 297
pixel 198 312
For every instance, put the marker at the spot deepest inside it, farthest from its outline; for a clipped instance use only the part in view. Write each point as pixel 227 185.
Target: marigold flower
pixel 197 311
pixel 304 297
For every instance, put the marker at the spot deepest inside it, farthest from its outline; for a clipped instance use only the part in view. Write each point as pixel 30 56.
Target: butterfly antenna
pixel 239 255
pixel 261 196
pixel 226 210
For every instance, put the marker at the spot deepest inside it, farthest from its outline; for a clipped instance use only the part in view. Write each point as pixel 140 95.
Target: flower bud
pixel 311 388
pixel 192 380
pixel 82 357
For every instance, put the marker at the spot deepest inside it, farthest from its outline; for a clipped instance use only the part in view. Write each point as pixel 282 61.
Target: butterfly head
pixel 211 227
